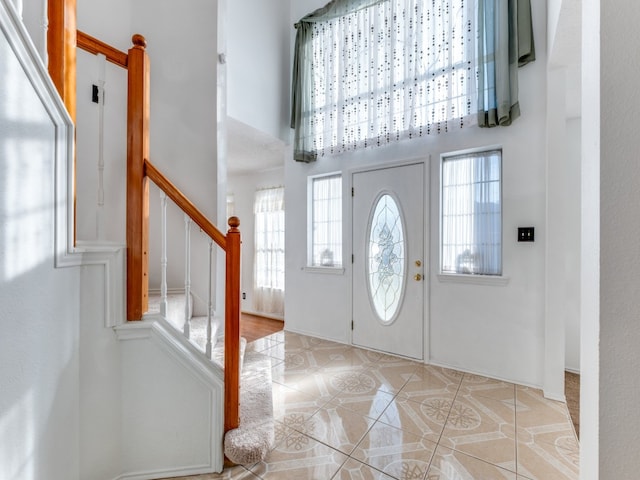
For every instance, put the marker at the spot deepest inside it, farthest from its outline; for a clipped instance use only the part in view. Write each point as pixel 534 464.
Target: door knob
pixel 418 277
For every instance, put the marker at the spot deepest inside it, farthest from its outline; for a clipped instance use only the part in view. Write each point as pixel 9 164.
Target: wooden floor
pixel 572 393
pixel 253 327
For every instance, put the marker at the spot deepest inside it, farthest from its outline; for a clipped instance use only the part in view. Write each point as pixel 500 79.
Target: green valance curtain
pixel 505 42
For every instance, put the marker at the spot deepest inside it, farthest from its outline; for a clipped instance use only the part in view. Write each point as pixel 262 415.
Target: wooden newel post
pixel 61 50
pixel 137 183
pixel 232 329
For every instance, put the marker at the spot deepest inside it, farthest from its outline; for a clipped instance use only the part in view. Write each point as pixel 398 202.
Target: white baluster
pixel 163 255
pixel 187 276
pixel 44 30
pixel 209 346
pixel 102 62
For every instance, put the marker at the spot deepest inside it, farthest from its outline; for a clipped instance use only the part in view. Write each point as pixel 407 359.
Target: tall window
pixel 471 223
pixel 397 69
pixel 326 221
pixel 269 251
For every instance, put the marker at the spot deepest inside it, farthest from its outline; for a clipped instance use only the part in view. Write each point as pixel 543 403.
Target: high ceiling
pixel 250 150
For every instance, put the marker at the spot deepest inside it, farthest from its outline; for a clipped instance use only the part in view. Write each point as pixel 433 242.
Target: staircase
pixel 254 437
pixel 245 397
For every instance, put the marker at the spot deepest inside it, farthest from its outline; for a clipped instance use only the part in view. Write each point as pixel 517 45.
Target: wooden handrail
pixel 185 204
pixel 93 45
pixel 231 245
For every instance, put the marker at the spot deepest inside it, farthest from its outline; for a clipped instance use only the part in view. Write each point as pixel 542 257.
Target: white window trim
pixel 473 279
pixel 470 278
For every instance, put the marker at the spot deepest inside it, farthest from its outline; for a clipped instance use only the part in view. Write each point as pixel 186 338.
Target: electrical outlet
pixel 244 295
pixel 526 234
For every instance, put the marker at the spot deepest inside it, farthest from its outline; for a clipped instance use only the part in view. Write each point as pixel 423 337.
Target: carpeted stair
pixel 252 440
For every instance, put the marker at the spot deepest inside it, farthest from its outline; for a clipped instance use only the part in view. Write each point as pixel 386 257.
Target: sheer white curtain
pixel 268 291
pixel 397 69
pixel 327 221
pixel 472 214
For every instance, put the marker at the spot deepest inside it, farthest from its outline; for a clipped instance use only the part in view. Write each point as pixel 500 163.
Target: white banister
pixel 187 276
pixel 163 254
pixel 209 346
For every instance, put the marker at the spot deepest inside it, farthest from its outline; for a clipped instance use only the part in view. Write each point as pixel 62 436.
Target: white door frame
pixel 429 272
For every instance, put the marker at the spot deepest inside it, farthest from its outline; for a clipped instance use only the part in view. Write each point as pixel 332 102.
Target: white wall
pixel 493 330
pixel 259 67
pixel 571 259
pixel 181 44
pixel 39 305
pixel 619 382
pixel 243 188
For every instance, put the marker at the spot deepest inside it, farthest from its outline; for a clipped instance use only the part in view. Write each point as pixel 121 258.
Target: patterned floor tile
pixel 297 457
pixel 338 427
pixel 487 387
pixel 449 464
pixel 483 428
pixel 370 405
pixel 428 381
pixel 544 461
pixel 398 453
pixel 232 473
pixel 355 470
pixel 426 419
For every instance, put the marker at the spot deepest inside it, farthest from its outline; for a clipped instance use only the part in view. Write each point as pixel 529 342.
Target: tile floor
pixel 346 413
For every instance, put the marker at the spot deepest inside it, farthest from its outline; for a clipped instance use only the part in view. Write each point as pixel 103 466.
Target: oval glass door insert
pixel 386 258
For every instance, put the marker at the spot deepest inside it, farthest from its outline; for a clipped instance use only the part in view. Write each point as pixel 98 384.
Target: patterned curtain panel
pixel 397 69
pixel 367 73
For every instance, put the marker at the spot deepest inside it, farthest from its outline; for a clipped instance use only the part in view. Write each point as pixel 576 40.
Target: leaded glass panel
pixel 386 258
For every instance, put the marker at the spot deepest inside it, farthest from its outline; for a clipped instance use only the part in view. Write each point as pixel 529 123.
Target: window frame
pixel 471 278
pixel 310 267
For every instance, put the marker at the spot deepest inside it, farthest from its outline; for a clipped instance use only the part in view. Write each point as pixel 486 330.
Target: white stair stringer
pixel 172 403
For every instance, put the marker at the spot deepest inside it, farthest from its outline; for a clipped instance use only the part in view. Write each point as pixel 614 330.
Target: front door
pixel 388 263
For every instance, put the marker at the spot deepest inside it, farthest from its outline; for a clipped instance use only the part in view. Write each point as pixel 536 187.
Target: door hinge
pixel 352 258
pixel 353 191
pixel 351 324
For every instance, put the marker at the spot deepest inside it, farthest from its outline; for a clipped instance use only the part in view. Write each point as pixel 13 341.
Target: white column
pixel 102 61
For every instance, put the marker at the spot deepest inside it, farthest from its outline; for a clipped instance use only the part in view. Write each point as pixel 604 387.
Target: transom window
pixel 398 69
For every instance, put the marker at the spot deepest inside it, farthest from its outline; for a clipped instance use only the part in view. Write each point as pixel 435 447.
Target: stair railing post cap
pixel 234 222
pixel 139 41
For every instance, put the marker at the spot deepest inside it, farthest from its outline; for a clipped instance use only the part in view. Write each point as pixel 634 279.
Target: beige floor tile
pixel 394 376
pixel 300 457
pixel 338 427
pixel 483 428
pixel 369 405
pixel 449 464
pixel 398 453
pixel 312 382
pixel 426 419
pixel 355 470
pixel 544 461
pixel 232 473
pixel 533 410
pixel 427 381
pixel 486 387
pixel 262 344
pixel 345 357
